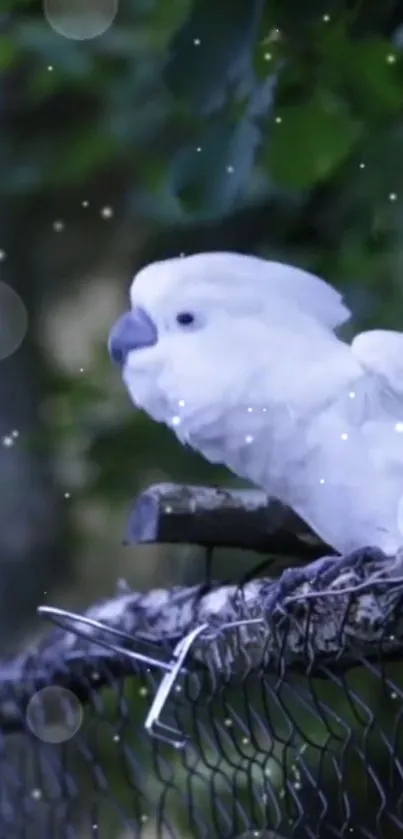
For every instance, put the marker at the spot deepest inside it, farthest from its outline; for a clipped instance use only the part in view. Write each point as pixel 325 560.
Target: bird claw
pixel 325 570
pixel 354 561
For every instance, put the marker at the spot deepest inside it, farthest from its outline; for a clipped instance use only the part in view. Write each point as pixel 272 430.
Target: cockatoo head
pixel 202 330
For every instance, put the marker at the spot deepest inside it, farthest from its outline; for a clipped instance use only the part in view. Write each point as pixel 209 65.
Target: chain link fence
pixel 270 710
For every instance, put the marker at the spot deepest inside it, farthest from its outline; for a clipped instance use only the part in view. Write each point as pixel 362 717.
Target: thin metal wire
pixel 317 753
pixel 153 724
pixel 174 668
pixel 368 585
pixel 54 614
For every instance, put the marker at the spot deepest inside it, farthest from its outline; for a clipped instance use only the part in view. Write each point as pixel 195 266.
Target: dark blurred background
pixel 140 131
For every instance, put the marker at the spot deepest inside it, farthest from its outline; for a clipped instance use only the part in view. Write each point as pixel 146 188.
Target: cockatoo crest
pixel 234 275
pixel 252 321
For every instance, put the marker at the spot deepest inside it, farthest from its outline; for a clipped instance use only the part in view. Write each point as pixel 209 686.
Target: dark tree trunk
pixel 31 513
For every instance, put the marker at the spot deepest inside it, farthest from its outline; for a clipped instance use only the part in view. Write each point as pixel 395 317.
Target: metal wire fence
pixel 226 729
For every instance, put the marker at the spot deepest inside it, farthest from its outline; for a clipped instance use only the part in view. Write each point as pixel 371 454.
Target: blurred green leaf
pixel 9 52
pixel 373 180
pixel 309 141
pixel 297 18
pixel 268 58
pixel 210 177
pixel 367 71
pixel 212 52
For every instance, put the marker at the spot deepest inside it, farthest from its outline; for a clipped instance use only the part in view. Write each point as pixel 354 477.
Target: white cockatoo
pixel 239 356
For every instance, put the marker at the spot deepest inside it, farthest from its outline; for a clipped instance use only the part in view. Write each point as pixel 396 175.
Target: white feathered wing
pixel 362 482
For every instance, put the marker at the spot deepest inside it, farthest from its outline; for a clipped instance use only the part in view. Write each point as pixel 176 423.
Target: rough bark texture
pixel 216 517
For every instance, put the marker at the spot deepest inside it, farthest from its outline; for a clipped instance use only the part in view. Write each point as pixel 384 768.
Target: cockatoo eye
pixel 185 318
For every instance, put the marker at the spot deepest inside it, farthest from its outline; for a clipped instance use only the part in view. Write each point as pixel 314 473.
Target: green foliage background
pixel 269 127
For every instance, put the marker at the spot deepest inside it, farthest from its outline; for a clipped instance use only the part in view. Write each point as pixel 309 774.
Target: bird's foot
pixel 354 561
pixel 325 570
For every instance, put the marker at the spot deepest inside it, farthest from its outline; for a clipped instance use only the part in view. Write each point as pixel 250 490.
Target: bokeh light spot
pixel 13 321
pixel 80 20
pixel 54 715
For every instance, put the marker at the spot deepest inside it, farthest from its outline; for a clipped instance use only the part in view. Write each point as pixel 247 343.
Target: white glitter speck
pixel 197 42
pixel 344 436
pixel 278 119
pixel 322 481
pixel 390 58
pixel 399 427
pixel 250 410
pixel 58 226
pixel 249 438
pixel 352 394
pixel 2 256
pixel 392 196
pixel 176 420
pixel 107 212
pixel 230 170
pixel 181 403
pixel 8 441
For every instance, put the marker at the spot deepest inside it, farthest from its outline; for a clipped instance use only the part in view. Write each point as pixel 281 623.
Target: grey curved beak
pixel 132 331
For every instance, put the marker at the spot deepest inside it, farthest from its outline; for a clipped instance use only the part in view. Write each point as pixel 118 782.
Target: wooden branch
pixel 213 517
